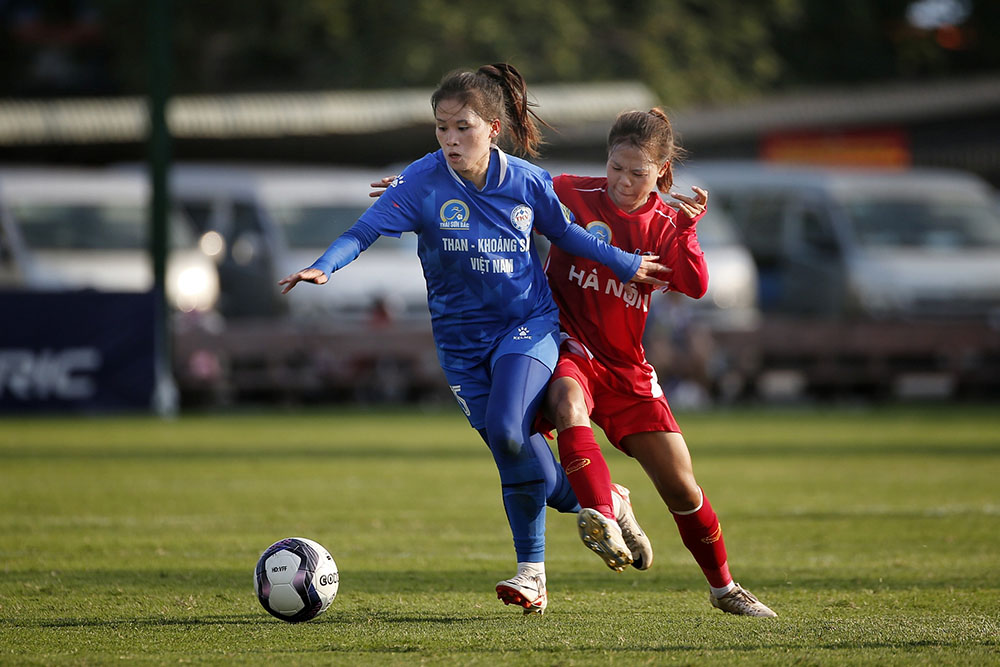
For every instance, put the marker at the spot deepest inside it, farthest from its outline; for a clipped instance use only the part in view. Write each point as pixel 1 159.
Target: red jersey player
pixel 602 372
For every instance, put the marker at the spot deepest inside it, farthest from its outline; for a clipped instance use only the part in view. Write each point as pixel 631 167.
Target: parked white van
pixel 81 228
pixel 916 243
pixel 274 221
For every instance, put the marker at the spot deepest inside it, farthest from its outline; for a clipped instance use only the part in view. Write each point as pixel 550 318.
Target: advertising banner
pixel 76 351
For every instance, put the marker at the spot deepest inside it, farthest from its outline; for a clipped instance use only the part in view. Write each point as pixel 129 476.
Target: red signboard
pixel 848 148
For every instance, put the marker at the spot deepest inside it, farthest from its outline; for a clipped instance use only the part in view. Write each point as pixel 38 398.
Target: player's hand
pixel 689 209
pixel 380 186
pixel 305 275
pixel 647 268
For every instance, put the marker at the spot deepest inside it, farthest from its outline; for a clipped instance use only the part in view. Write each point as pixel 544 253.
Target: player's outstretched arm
pixel 575 240
pixel 315 276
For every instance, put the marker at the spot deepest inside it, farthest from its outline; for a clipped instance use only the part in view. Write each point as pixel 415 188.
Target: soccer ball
pixel 296 579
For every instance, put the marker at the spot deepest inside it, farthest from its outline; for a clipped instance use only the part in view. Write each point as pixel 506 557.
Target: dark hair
pixel 496 91
pixel 650 132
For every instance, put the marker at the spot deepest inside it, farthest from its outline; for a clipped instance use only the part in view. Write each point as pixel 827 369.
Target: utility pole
pixel 165 399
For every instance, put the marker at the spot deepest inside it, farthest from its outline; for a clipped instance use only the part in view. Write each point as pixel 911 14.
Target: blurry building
pixel 953 124
pixel 942 124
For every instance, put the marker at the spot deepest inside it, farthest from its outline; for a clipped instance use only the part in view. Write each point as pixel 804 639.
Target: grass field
pixel 875 534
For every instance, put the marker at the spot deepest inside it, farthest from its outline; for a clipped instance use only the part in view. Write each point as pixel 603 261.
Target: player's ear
pixel 665 177
pixel 494 128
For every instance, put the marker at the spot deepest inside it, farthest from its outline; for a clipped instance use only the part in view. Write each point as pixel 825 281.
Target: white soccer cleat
pixel 604 538
pixel 524 590
pixel 741 602
pixel 638 544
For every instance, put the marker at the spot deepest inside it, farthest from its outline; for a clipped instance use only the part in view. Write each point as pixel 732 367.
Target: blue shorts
pixel 537 338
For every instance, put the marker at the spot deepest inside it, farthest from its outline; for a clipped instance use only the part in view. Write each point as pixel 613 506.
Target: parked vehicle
pixel 89 229
pixel 223 207
pixel 273 221
pixel 878 244
pixel 311 208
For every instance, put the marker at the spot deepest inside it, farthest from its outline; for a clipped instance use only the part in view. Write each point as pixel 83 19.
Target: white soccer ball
pixel 296 579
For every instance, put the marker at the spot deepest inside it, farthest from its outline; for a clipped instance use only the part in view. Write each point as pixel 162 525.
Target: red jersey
pixel 596 308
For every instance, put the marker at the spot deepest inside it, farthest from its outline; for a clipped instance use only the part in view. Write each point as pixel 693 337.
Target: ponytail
pixel 519 114
pixel 497 91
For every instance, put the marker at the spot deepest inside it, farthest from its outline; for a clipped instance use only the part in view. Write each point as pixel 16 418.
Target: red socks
pixel 588 473
pixel 702 535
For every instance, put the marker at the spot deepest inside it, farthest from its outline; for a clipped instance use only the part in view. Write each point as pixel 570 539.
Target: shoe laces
pixel 742 597
pixel 528 580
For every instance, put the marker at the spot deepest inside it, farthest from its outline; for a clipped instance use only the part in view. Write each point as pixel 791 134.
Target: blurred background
pixel 163 163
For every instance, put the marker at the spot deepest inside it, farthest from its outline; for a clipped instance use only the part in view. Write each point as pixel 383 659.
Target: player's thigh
pixel 518 386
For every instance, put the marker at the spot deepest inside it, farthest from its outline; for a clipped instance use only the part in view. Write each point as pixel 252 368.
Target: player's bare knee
pixel 681 493
pixel 682 497
pixel 569 413
pixel 568 407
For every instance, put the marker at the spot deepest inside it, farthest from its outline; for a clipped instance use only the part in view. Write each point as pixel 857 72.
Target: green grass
pixel 874 534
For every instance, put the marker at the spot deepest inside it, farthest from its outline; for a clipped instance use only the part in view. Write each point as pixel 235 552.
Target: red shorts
pixel 619 414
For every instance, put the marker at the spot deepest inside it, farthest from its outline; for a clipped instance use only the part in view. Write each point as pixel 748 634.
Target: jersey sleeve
pixel 684 255
pixel 398 209
pixel 395 212
pixel 555 221
pixel 346 248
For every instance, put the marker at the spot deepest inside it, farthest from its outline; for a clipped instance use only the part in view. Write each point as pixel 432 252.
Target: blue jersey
pixel 483 275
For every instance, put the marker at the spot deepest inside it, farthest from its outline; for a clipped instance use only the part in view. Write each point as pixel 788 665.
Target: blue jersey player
pixel 473 209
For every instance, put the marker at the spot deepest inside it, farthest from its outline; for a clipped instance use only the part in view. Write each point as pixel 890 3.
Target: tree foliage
pixel 688 51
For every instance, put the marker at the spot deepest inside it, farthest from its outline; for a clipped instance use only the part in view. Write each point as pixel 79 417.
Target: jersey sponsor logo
pixel 492 265
pixel 494 245
pixel 454 245
pixel 397 181
pixel 523 333
pixel 521 217
pixel 576 465
pixel 454 214
pixel 600 229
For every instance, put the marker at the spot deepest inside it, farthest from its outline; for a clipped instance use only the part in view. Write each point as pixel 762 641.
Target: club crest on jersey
pixel 601 230
pixel 521 217
pixel 454 214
